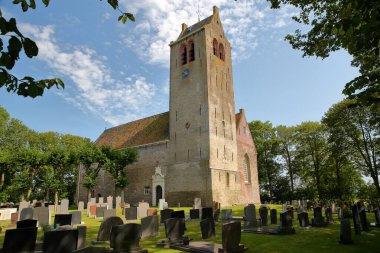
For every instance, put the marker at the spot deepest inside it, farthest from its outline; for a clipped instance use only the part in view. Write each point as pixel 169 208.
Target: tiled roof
pixel 143 131
pixel 195 27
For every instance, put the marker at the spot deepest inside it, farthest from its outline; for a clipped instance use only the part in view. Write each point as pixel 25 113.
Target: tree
pixel 118 159
pixel 28 86
pixel 352 25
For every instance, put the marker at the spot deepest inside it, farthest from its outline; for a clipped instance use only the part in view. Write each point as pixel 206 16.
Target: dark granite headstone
pixel 273 216
pixel 62 219
pixel 178 214
pixel 303 219
pixel 131 213
pixel 250 216
pixel 174 229
pixel 63 241
pixel 318 220
pixel 165 214
pixel 27 213
pixel 26 224
pixel 356 219
pixel 226 214
pixel 290 210
pixel 20 240
pixel 345 231
pixel 100 211
pixel 109 213
pixel 263 210
pixel 286 225
pixel 76 218
pixel 149 226
pixel 207 228
pixel 207 213
pixel 126 238
pixel 231 236
pixel 105 228
pixel 194 214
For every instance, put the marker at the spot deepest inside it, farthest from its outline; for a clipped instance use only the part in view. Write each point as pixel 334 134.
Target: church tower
pixel 202 148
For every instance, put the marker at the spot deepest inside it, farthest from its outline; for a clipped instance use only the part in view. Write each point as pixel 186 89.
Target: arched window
pixel 183 53
pixel 191 51
pixel 221 51
pixel 215 47
pixel 246 170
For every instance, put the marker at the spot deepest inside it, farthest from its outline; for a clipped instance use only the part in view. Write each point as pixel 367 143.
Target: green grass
pixel 321 240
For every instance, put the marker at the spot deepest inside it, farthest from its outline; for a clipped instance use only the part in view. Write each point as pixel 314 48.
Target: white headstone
pixel 161 204
pixel 142 209
pixel 5 213
pixel 118 202
pixel 64 206
pixel 43 215
pixel 93 200
pixel 109 202
pixel 101 200
pixel 81 206
pixel 197 203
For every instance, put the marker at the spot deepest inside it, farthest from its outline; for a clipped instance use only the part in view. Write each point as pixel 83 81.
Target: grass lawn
pixel 321 240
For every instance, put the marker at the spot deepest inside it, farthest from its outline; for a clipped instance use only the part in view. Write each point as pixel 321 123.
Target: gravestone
pixel 318 220
pixel 82 231
pixel 27 213
pixel 226 214
pixel 62 241
pixel 231 236
pixel 194 214
pixel 207 213
pixel 100 211
pixel 345 232
pixel 109 213
pixel 273 216
pixel 161 203
pixel 290 210
pixel 118 202
pixel 356 219
pixel 131 213
pixel 5 213
pixel 329 215
pixel 149 226
pixel 62 220
pixel 43 216
pixel 142 209
pixel 101 200
pixel 165 214
pixel 23 204
pixel 76 218
pixel 207 228
pixel 250 216
pixel 263 210
pixel 20 240
pixel 81 206
pixel 14 218
pixel 286 225
pixel 174 229
pixel 126 238
pixel 64 206
pixel 105 228
pixel 26 224
pixel 197 203
pixel 152 212
pixel 93 210
pixel 178 214
pixel 303 219
pixel 93 200
pixel 109 202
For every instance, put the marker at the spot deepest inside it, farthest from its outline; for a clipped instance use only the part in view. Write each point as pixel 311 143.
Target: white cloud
pixel 159 22
pixel 96 90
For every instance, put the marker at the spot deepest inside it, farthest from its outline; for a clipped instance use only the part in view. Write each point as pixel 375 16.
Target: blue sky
pixel 117 73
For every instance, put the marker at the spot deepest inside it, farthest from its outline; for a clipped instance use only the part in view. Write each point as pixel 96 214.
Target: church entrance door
pixel 158 193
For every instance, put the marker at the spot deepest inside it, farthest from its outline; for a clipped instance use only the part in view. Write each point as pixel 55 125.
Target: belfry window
pixel 183 52
pixel 221 52
pixel 191 51
pixel 215 47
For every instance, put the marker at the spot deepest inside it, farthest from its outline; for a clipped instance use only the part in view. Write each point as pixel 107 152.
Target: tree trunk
pixel 2 179
pixel 88 195
pixel 56 201
pixel 122 196
pixel 31 178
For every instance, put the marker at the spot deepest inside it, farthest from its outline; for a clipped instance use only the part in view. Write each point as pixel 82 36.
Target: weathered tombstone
pixel 20 240
pixel 207 213
pixel 286 226
pixel 76 218
pixel 105 228
pixel 93 200
pixel 131 213
pixel 152 212
pixel 51 208
pixel 149 226
pixel 178 214
pixel 23 204
pixel 165 214
pixel 82 231
pixel 142 209
pixel 64 206
pixel 126 238
pixel 43 216
pixel 231 236
pixel 161 204
pixel 207 228
pixel 194 214
pixel 100 211
pixel 118 202
pixel 318 220
pixel 329 215
pixel 93 210
pixel 226 214
pixel 303 219
pixel 345 232
pixel 5 213
pixel 250 216
pixel 27 213
pixel 197 203
pixel 273 216
pixel 62 241
pixel 26 224
pixel 14 218
pixel 101 200
pixel 109 202
pixel 62 220
pixel 81 206
pixel 109 213
pixel 263 210
pixel 174 229
pixel 356 219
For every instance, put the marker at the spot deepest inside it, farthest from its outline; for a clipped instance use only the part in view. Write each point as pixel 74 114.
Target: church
pixel 201 148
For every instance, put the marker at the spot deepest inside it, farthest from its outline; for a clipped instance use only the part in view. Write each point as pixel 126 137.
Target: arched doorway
pixel 158 193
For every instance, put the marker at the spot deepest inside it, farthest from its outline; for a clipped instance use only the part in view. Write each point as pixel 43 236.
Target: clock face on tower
pixel 185 73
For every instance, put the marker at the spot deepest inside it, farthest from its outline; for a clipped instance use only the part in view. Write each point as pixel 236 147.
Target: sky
pixel 115 73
